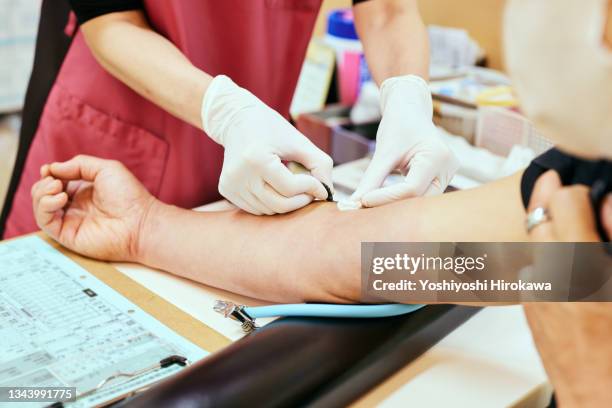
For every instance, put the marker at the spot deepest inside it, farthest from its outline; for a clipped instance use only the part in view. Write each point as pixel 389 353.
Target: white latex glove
pixel 367 106
pixel 256 138
pixel 406 141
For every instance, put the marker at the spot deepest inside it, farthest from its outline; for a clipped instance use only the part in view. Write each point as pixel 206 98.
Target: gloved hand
pixel 256 138
pixel 406 141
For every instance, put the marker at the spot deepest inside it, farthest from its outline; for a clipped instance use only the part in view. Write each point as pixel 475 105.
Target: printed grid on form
pixel 61 326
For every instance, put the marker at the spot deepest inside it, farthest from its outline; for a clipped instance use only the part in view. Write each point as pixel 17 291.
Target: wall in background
pixel 9 126
pixel 18 26
pixel 482 19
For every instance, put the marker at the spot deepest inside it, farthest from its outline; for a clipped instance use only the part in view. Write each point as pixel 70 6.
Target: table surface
pixel 490 361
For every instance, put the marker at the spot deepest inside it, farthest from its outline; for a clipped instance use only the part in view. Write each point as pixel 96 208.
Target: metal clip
pixel 236 312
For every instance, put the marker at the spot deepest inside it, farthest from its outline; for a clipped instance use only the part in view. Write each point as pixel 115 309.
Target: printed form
pixel 61 326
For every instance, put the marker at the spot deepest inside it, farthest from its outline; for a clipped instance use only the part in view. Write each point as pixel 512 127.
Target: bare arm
pixel 394 38
pixel 127 47
pixel 98 208
pixel 314 253
pixel 577 356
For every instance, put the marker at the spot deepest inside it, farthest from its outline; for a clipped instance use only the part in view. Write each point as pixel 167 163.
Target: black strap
pixel 51 47
pixel 596 174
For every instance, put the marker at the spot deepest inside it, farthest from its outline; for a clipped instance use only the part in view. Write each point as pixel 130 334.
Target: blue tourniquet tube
pixel 331 310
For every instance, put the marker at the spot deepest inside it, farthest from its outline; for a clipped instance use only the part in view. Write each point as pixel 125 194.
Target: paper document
pixel 314 80
pixel 61 326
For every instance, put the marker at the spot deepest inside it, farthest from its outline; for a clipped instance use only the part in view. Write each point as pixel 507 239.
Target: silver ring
pixel 536 217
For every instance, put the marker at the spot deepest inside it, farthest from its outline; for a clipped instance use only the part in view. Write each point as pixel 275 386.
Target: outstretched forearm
pixel 314 254
pixel 566 334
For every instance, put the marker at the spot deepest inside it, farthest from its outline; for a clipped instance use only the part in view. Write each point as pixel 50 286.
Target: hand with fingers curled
pixel 560 213
pixel 93 206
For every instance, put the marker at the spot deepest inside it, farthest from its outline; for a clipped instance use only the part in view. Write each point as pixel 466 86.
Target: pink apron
pixel 260 44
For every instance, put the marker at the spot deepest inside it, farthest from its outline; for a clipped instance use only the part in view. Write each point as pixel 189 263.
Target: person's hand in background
pixel 93 206
pixel 569 212
pixel 567 333
pixel 256 138
pixel 406 141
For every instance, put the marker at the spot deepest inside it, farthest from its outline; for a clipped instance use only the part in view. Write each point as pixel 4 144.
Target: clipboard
pixel 175 320
pixel 165 312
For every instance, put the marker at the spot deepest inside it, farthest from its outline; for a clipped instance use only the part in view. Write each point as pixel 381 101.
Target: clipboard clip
pixel 236 312
pixel 164 363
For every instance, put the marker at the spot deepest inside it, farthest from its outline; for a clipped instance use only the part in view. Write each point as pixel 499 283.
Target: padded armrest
pixel 307 361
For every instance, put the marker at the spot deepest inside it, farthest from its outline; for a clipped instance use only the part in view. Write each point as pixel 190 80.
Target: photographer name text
pixel 455 286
